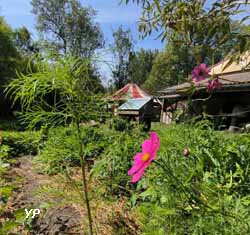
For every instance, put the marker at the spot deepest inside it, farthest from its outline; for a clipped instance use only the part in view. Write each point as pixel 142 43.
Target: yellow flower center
pixel 145 157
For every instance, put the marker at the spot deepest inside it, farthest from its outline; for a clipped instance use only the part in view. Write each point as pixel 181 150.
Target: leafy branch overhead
pixel 198 24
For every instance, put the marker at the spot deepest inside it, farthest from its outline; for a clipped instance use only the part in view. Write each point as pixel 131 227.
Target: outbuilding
pixel 229 105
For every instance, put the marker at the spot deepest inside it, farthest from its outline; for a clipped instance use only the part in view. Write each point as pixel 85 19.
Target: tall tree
pixel 122 49
pixel 67 27
pixel 9 62
pixel 140 65
pixel 23 41
pixel 170 67
pixel 8 53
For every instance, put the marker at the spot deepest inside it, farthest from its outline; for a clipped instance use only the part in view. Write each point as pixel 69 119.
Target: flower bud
pixel 186 152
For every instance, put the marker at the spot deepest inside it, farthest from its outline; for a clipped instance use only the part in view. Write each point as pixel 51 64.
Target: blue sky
pixel 110 15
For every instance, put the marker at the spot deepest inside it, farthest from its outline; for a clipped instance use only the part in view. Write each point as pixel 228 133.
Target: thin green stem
pixel 73 182
pixel 84 179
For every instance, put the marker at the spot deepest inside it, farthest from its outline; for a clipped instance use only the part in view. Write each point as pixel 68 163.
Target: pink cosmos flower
pixel 200 72
pixel 213 84
pixel 143 159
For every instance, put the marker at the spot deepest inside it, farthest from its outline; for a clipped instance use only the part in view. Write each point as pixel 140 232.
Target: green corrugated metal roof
pixel 134 104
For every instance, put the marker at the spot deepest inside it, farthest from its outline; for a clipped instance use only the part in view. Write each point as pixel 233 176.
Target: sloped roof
pixel 229 80
pixel 134 104
pixel 230 75
pixel 129 91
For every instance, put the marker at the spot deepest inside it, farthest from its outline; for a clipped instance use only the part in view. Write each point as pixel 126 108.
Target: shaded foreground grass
pixel 204 192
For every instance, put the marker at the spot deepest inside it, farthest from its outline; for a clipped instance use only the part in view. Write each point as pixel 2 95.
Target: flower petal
pixel 213 84
pixel 200 72
pixel 137 157
pixel 156 144
pixel 196 72
pixel 138 174
pixel 147 146
pixel 138 163
pixel 203 67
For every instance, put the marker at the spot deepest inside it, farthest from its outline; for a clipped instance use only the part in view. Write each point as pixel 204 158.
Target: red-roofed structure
pixel 129 91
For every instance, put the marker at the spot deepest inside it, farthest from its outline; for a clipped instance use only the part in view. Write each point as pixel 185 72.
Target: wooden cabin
pixel 229 106
pixel 143 110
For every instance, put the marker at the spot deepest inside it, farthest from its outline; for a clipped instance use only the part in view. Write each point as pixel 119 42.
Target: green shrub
pixel 120 124
pixel 60 150
pixel 61 147
pixel 21 143
pixel 112 166
pixel 95 140
pixel 111 150
pixel 10 124
pixel 206 192
pixel 4 151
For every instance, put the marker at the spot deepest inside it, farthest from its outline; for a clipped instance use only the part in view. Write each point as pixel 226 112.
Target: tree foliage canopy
pixel 67 27
pixel 122 50
pixel 140 65
pixel 170 67
pixel 23 41
pixel 10 61
pixel 9 55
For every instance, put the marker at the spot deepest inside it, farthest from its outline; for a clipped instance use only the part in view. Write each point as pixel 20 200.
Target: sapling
pixel 59 92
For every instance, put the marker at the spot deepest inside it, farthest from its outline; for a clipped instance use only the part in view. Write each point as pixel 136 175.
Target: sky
pixel 110 15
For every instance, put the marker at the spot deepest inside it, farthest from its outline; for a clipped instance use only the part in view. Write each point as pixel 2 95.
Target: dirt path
pixel 65 215
pixel 30 180
pixel 54 221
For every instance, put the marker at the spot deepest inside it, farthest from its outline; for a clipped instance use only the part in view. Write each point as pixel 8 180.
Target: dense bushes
pixel 205 192
pixel 9 125
pixel 20 143
pixel 112 166
pixel 61 147
pixel 111 151
pixel 59 150
pixel 211 181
